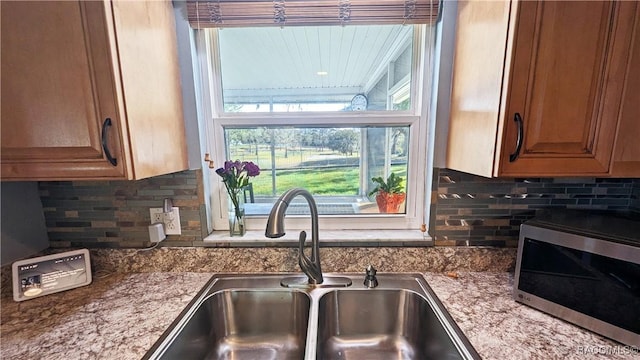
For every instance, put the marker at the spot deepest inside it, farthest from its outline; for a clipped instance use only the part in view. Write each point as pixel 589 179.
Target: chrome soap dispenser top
pixel 370 279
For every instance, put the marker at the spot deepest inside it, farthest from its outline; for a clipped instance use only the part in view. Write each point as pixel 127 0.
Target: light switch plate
pixel 170 220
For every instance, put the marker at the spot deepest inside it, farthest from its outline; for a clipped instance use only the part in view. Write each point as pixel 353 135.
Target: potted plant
pixel 389 194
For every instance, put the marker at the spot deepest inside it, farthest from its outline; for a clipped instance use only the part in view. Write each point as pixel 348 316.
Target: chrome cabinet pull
pixel 107 153
pixel 518 119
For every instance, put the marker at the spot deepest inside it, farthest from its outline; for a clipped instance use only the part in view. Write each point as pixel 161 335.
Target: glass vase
pixel 236 216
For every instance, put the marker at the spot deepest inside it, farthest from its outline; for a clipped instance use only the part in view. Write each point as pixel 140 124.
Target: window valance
pixel 249 13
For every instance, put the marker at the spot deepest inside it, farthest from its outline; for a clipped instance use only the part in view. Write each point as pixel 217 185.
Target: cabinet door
pixel 570 59
pixel 52 118
pixel 145 34
pixel 626 154
pixel 483 32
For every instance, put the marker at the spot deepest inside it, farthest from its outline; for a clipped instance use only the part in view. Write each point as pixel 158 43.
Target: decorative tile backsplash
pixel 467 210
pixel 473 210
pixel 115 214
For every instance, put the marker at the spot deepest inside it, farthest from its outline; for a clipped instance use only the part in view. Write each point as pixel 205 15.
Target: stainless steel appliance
pixel 583 267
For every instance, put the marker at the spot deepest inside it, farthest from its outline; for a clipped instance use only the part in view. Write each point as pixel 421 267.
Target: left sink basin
pixel 241 323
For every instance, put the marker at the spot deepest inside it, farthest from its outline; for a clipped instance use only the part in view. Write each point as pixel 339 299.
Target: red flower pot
pixel 389 203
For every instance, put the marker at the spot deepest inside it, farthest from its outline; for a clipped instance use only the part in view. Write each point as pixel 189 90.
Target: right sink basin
pixel 381 324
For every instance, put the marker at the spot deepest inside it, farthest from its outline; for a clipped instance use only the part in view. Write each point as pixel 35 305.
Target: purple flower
pixel 238 166
pixel 236 174
pixel 251 168
pixel 229 166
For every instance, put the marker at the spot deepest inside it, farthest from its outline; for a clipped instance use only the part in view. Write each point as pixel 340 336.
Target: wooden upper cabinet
pixel 538 85
pixel 83 82
pixel 626 153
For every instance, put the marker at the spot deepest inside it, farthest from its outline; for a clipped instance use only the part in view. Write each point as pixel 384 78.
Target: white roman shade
pixel 250 13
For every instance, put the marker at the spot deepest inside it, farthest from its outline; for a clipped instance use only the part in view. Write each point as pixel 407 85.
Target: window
pixel 321 68
pixel 326 108
pixel 335 164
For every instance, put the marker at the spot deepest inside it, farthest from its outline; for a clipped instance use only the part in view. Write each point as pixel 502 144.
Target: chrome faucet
pixel 275 229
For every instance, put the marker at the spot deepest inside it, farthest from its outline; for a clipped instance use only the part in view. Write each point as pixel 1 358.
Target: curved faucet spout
pixel 275 229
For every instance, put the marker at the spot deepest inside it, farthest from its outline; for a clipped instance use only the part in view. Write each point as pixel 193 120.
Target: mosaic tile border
pixel 466 210
pixel 469 210
pixel 115 214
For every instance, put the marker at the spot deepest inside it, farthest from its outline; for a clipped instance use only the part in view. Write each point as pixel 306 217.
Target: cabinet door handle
pixel 518 119
pixel 107 153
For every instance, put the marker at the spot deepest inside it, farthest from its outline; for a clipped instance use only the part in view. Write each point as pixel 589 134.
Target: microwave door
pixel 601 287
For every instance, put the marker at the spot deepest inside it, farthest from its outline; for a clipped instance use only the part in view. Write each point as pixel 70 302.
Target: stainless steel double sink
pixel 251 316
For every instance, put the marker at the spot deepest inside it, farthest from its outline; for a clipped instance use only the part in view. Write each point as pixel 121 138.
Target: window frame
pixel 417 118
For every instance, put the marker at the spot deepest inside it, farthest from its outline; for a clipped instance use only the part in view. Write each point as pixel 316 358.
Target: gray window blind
pixel 250 13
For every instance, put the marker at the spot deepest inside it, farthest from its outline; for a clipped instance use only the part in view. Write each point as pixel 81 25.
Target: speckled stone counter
pixel 116 317
pixel 500 328
pixel 120 317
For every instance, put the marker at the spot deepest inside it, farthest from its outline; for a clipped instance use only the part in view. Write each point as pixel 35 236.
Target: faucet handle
pixel 370 279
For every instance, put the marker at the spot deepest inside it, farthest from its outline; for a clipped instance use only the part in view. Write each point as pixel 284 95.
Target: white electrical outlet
pixel 170 220
pixel 157 216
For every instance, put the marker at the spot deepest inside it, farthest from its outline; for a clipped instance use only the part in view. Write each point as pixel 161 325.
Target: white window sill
pixel 360 238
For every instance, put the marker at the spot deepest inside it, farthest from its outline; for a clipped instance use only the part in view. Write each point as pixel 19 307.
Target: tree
pixel 287 138
pixel 315 137
pixel 399 139
pixel 344 140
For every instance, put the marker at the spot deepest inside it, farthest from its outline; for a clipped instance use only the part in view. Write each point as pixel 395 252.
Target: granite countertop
pixel 120 316
pixel 500 328
pixel 116 317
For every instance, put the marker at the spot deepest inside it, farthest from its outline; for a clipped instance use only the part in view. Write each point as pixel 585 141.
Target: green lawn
pixel 331 181
pixel 322 172
pixel 290 158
